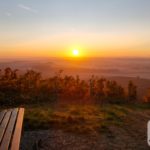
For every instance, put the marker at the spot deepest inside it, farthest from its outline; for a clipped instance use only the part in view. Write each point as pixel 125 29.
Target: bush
pixel 30 87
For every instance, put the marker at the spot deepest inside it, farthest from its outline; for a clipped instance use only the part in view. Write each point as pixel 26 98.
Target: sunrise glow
pixel 76 52
pixel 97 30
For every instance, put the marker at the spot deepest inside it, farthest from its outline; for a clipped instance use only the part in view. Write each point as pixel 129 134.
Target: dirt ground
pixel 132 135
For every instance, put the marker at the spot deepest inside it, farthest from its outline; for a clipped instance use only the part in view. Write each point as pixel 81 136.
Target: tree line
pixel 29 87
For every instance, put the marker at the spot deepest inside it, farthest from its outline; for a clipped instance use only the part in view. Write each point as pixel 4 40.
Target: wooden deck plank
pixel 2 114
pixel 9 131
pixel 4 124
pixel 17 133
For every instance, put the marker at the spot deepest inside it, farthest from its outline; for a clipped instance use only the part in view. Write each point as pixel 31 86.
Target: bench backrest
pixel 10 128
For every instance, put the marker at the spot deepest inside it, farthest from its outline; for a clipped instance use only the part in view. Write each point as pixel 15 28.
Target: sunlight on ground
pixel 75 118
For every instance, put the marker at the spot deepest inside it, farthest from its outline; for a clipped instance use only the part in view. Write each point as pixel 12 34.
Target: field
pixel 104 127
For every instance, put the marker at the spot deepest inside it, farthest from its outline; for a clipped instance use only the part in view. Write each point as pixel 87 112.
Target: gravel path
pixel 59 140
pixel 117 139
pixel 131 136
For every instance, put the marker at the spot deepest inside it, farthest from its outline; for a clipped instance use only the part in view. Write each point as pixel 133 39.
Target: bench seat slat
pixel 2 114
pixel 4 124
pixel 9 131
pixel 18 129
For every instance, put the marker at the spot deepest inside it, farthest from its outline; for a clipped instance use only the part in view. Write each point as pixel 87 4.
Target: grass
pixel 75 118
pixel 79 118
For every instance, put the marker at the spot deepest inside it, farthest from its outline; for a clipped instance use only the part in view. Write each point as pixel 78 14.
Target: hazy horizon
pixel 73 58
pixel 127 67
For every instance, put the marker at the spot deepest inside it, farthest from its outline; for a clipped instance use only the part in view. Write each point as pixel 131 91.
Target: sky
pixel 53 28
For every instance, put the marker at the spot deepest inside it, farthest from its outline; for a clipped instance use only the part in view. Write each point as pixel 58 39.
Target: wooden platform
pixel 10 128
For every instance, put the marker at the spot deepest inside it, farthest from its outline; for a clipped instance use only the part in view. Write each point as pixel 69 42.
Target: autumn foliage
pixel 30 87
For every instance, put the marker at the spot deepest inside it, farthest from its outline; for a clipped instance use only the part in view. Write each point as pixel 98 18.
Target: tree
pixel 92 86
pixel 132 92
pixel 114 93
pixel 8 73
pixel 14 74
pixel 100 93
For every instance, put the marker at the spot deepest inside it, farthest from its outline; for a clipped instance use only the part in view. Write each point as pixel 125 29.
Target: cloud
pixel 27 8
pixel 8 14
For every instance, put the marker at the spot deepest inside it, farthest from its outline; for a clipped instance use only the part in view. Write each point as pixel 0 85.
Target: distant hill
pixel 84 67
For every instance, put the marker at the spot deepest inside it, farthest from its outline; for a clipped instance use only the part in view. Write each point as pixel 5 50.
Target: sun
pixel 75 52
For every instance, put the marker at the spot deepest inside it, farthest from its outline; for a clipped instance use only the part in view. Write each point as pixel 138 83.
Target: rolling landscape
pixel 123 67
pixel 65 109
pixel 74 75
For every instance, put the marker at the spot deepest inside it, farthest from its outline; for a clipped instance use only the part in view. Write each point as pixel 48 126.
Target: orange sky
pixel 54 28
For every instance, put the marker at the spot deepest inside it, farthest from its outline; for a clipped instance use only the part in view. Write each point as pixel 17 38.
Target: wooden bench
pixel 10 128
